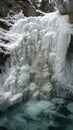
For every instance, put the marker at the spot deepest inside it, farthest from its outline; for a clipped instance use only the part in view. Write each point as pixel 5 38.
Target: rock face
pixel 69 6
pixel 66 7
pixel 27 8
pixel 4 54
pixel 70 49
pixel 16 6
pixel 5 6
pixel 47 6
pixel 61 7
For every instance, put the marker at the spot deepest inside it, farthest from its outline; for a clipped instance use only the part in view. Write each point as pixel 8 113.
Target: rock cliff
pixel 16 6
pixel 66 7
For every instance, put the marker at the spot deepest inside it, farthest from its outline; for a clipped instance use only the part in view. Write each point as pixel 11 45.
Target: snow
pixel 16 99
pixel 4 100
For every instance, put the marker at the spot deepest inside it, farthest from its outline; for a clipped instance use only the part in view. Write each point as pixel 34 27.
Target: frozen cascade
pixel 28 38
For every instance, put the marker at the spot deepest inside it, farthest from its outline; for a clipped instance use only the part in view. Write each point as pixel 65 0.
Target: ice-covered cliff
pixel 39 51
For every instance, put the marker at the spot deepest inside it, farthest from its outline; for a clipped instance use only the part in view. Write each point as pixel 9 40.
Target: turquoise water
pixel 56 116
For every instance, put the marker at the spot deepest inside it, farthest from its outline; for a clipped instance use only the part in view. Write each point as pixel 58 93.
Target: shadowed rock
pixel 66 7
pixel 64 91
pixel 69 7
pixel 70 49
pixel 4 54
pixel 4 25
pixel 17 5
pixel 5 6
pixel 61 7
pixel 28 8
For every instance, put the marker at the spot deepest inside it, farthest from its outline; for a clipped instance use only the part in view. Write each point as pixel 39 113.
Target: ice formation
pixel 38 45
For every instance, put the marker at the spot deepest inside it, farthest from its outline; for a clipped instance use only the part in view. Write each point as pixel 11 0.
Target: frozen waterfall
pixel 37 45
